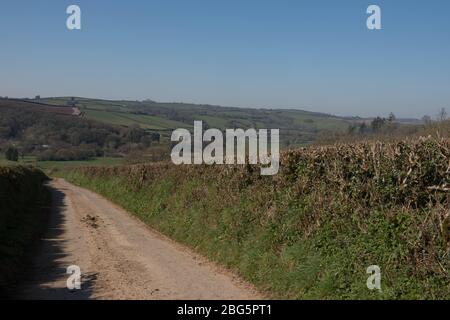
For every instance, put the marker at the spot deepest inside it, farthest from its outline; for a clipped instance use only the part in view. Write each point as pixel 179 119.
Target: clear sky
pixel 316 55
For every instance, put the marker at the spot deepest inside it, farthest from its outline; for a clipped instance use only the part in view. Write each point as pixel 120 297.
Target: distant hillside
pixel 40 106
pixel 297 127
pixel 57 133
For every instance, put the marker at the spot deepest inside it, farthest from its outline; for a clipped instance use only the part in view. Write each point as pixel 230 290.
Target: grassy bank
pixel 22 220
pixel 311 231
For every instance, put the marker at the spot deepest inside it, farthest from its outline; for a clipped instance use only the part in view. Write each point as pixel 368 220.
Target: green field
pixel 129 119
pixel 46 165
pixel 297 127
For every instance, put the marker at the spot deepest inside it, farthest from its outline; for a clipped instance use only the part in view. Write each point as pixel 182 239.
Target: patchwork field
pixel 298 127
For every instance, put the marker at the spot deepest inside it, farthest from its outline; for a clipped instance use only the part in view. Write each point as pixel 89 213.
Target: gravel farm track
pixel 119 257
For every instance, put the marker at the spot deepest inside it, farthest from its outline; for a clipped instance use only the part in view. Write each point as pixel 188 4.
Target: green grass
pixel 154 122
pixel 214 122
pixel 313 121
pixel 69 164
pixel 108 117
pixel 129 119
pixel 46 165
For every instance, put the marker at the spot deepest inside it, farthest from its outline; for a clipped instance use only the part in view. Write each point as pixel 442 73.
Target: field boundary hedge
pixel 311 231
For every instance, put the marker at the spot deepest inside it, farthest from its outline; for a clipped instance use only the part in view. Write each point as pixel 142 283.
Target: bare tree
pixel 392 117
pixel 442 115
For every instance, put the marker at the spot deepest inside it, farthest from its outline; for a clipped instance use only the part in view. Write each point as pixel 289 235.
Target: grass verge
pixel 312 231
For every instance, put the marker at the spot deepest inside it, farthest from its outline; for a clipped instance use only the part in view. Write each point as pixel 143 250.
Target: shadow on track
pixel 49 266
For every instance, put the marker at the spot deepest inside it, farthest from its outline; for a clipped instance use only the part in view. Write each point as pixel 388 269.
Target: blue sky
pixel 316 55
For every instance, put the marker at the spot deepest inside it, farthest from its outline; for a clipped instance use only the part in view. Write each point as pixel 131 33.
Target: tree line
pixel 50 136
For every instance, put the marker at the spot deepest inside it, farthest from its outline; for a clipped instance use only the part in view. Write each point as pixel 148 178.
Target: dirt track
pixel 119 257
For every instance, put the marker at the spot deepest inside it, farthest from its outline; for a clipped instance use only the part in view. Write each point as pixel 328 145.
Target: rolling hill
pixel 297 127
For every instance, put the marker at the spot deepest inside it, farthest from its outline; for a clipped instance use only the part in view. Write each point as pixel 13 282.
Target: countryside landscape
pixel 93 205
pixel 377 193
